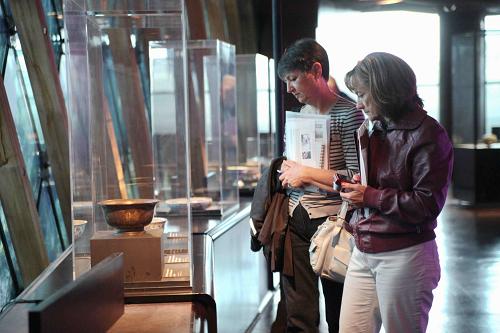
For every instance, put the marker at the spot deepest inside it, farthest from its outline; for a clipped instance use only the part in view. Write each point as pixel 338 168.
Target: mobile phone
pixel 338 180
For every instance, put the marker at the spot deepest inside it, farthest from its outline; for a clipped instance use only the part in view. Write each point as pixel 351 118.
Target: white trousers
pixel 393 288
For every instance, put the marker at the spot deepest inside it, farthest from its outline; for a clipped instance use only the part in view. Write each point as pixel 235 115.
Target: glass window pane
pixel 50 229
pixel 7 289
pixel 492 74
pixel 4 38
pixel 492 107
pixel 7 264
pixel 430 96
pixel 397 32
pixel 19 106
pixel 492 22
pixel 492 60
pixel 23 109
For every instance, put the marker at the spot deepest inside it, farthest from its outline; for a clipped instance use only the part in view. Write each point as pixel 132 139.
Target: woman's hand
pixel 292 174
pixel 353 194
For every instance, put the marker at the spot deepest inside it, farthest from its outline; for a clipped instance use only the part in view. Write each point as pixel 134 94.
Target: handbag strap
pixel 342 211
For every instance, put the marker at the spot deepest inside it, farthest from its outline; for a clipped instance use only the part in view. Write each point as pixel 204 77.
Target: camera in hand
pixel 338 180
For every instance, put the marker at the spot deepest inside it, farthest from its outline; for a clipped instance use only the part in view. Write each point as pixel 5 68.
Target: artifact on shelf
pixel 128 215
pixel 179 205
pixel 158 223
pixel 489 139
pixel 79 228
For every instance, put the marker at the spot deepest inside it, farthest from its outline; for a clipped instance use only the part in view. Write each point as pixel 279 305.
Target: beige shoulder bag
pixel 331 247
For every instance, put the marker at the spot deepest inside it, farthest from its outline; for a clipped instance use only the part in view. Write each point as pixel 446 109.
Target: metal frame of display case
pixel 129 132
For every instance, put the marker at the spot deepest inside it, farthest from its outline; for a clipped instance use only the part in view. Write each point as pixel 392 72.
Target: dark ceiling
pixel 435 6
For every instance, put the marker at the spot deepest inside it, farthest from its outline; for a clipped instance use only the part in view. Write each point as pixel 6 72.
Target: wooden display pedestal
pixel 143 253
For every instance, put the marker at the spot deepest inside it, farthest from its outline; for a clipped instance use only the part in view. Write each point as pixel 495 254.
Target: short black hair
pixel 301 55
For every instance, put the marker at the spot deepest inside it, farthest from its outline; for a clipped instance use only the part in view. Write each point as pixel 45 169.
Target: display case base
pixel 143 252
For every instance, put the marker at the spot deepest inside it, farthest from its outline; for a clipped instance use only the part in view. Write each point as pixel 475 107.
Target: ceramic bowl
pixel 179 205
pixel 78 228
pixel 156 223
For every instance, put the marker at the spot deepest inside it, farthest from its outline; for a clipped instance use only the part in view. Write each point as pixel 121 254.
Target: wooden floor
pixel 467 299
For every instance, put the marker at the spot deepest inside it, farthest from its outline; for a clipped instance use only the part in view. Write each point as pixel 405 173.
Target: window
pixel 348 36
pixel 492 74
pixel 9 271
pixel 24 112
pixel 4 38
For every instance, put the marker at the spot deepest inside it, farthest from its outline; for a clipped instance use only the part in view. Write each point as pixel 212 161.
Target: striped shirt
pixel 345 119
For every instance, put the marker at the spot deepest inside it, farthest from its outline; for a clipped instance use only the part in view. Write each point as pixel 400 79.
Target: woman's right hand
pixel 354 194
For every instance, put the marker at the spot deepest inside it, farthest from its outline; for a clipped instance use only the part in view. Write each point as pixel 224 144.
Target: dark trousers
pixel 301 291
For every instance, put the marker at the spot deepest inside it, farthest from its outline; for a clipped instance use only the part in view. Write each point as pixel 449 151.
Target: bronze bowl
pixel 128 214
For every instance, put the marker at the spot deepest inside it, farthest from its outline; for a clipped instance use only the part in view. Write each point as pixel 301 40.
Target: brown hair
pixel 301 55
pixel 391 82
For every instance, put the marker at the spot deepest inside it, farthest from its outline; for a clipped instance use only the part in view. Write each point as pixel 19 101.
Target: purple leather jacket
pixel 408 165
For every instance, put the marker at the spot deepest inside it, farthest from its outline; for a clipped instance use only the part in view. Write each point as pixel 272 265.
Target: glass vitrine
pixel 213 123
pixel 129 145
pixel 254 121
pixel 213 143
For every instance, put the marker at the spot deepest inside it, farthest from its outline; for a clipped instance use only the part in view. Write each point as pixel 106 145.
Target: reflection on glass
pixel 63 78
pixel 54 19
pixel 118 133
pixel 253 113
pixel 213 123
pixel 169 124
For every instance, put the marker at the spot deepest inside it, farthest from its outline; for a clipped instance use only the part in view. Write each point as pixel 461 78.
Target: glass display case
pixel 254 118
pixel 127 106
pixel 211 78
pixel 213 123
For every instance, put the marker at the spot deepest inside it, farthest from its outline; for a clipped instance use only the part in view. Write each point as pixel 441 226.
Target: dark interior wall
pixel 299 19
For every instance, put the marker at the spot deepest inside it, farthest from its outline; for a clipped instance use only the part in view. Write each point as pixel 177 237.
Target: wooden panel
pixel 233 23
pixel 216 19
pixel 91 303
pixel 17 199
pixel 197 28
pixel 248 29
pixel 44 78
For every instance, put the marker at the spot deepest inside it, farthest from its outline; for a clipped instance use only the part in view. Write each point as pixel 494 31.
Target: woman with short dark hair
pixel 304 67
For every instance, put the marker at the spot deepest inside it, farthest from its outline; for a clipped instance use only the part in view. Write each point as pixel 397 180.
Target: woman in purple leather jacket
pixel 405 164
